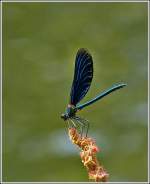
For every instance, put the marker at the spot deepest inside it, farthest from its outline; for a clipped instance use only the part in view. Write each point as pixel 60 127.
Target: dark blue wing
pixel 83 75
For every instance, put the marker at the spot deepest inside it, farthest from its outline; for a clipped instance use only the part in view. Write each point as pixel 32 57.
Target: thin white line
pixel 1 89
pixel 132 1
pixel 148 91
pixel 73 182
pixel 1 92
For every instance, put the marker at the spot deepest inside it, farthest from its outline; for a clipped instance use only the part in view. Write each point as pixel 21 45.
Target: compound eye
pixel 62 116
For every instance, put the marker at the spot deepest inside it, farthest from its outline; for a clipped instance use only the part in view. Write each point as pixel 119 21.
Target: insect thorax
pixel 71 110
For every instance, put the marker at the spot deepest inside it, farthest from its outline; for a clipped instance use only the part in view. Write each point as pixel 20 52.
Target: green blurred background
pixel 40 41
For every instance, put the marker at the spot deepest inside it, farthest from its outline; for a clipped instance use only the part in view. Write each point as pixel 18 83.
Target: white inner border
pixel 107 1
pixel 78 1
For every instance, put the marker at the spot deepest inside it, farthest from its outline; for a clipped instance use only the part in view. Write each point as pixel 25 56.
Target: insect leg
pixel 88 125
pixel 73 122
pixel 82 125
pixel 70 124
pixel 85 123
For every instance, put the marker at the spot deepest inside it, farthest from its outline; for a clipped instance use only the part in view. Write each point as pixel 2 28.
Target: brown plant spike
pixel 88 155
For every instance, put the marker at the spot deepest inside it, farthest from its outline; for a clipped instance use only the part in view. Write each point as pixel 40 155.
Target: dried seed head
pixel 88 155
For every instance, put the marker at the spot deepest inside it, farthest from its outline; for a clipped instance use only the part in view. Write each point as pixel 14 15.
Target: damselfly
pixel 83 75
